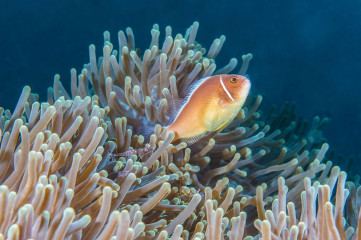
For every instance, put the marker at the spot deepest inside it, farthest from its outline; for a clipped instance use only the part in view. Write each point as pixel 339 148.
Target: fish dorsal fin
pixel 181 102
pixel 174 108
pixel 193 86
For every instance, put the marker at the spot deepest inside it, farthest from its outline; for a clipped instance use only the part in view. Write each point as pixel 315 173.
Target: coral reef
pixel 263 177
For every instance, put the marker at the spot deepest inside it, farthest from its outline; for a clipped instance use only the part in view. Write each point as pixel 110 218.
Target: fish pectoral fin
pixel 223 126
pixel 203 137
pixel 194 139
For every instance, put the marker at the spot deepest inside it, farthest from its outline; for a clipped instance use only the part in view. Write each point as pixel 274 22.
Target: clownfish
pixel 210 106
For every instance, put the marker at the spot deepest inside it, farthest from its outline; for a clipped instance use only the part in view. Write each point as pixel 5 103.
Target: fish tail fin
pixel 145 131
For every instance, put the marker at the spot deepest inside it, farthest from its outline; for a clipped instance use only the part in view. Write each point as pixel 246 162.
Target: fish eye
pixel 233 79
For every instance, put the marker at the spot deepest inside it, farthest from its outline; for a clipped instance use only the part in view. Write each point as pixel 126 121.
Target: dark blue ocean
pixel 306 52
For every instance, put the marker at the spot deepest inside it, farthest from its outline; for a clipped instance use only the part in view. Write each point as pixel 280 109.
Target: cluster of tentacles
pixel 264 177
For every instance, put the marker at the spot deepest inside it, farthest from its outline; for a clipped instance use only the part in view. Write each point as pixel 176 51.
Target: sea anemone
pixel 264 177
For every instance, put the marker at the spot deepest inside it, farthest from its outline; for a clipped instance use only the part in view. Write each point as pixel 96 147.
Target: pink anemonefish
pixel 211 105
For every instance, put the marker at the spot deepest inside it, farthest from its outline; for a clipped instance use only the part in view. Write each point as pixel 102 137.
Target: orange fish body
pixel 211 106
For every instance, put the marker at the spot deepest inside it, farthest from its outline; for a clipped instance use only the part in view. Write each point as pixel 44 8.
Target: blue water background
pixel 307 52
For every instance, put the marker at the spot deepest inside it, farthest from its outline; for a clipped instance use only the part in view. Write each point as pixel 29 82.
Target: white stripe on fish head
pixel 225 89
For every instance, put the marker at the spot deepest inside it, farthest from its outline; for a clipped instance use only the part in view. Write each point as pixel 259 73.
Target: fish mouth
pixel 246 86
pixel 246 82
